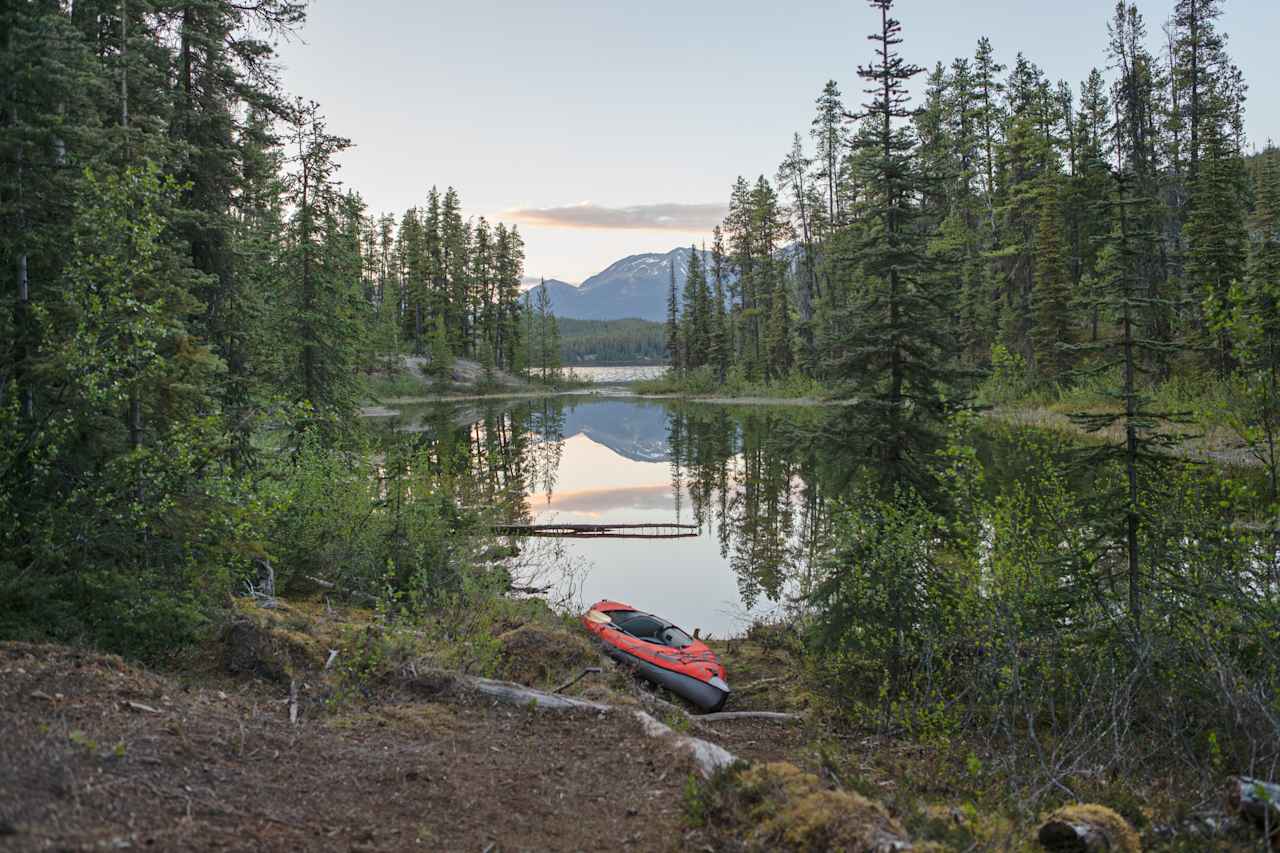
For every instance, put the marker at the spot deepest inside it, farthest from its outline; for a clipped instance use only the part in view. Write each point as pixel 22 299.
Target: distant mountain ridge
pixel 635 286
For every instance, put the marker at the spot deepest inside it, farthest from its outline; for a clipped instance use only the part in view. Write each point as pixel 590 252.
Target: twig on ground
pixel 588 671
pixel 726 716
pixel 138 706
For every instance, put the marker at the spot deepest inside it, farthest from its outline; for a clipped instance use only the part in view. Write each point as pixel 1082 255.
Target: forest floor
pixel 99 754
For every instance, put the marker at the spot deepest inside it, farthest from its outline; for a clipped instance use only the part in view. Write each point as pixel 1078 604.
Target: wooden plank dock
pixel 601 531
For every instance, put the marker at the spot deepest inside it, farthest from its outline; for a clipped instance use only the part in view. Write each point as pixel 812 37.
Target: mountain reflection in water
pixel 631 461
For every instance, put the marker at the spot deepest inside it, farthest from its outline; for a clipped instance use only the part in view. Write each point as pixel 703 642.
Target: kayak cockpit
pixel 650 628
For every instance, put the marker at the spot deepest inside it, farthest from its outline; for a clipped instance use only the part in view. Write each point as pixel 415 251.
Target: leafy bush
pixel 1015 625
pixel 1009 380
pixel 397 384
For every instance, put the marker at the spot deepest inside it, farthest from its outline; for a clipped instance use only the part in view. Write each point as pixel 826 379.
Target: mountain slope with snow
pixel 635 286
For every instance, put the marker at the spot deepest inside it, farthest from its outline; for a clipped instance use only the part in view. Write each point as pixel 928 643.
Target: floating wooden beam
pixel 601 531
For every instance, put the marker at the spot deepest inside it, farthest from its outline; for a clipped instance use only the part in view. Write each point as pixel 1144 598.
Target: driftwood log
pixel 1257 802
pixel 1087 829
pixel 727 716
pixel 707 756
pixel 601 531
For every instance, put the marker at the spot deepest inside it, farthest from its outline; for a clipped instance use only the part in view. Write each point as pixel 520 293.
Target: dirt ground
pixel 95 754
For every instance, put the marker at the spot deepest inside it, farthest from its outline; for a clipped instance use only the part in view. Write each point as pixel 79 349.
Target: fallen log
pixel 529 590
pixel 515 694
pixel 708 757
pixel 601 531
pixel 1257 802
pixel 438 682
pixel 726 716
pixel 1087 829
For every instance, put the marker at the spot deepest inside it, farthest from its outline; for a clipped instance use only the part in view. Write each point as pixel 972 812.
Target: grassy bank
pixel 411 381
pixel 704 383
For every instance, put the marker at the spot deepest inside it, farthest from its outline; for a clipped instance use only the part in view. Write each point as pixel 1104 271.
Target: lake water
pixel 605 374
pixel 596 460
pixel 758 482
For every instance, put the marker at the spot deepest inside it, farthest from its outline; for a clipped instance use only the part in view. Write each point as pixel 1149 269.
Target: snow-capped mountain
pixel 635 286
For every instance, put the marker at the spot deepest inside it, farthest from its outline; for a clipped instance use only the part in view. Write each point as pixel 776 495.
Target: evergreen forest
pixel 1018 522
pixel 196 304
pixel 599 341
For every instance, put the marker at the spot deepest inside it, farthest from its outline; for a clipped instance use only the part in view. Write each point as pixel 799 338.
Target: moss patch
pixel 269 643
pixel 778 806
pixel 1055 835
pixel 537 655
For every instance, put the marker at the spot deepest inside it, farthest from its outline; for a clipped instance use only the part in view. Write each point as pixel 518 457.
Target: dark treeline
pixel 610 341
pixel 192 302
pixel 438 274
pixel 982 225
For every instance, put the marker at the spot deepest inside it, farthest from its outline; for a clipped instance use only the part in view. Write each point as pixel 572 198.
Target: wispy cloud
pixel 640 217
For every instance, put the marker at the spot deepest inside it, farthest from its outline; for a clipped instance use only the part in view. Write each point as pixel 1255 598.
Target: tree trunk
pixel 1131 460
pixel 1087 829
pixel 124 64
pixel 1257 802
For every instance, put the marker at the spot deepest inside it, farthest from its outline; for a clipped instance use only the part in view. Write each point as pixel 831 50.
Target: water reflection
pixel 760 483
pixel 739 474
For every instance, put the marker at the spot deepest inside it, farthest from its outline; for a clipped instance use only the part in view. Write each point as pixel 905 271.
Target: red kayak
pixel 659 652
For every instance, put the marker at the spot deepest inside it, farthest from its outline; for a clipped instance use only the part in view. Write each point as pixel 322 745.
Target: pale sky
pixel 649 111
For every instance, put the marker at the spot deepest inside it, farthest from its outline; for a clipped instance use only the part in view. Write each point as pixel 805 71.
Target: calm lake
pixel 597 461
pixel 758 482
pixel 613 373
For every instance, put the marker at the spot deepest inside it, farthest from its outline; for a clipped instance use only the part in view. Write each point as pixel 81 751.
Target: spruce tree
pixel 695 326
pixel 1051 333
pixel 793 174
pixel 1216 241
pixel 454 240
pixel 546 344
pixel 1257 326
pixel 1128 304
pixel 827 130
pixel 894 353
pixel 323 262
pixel 778 336
pixel 1197 62
pixel 988 117
pixel 675 351
pixel 441 358
pixel 720 347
